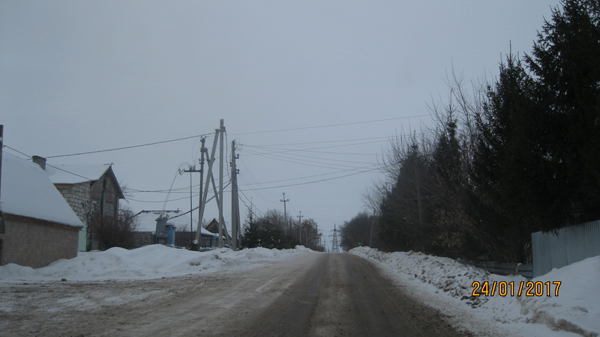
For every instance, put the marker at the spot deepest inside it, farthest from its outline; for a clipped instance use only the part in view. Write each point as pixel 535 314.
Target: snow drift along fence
pixel 569 245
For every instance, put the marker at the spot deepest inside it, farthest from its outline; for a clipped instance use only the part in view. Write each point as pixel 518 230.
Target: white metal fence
pixel 569 245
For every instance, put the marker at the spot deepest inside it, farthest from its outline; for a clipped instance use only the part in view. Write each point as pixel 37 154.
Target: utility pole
pixel 284 200
pixel 203 150
pixel 235 202
pixel 220 201
pixel 300 227
pixel 192 169
pixel 209 179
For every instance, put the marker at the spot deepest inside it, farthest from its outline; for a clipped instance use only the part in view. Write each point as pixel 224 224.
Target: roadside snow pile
pixel 576 309
pixel 149 262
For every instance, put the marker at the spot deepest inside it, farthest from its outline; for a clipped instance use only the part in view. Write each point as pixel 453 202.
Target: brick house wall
pixel 22 238
pixel 85 199
pixel 111 195
pixel 78 197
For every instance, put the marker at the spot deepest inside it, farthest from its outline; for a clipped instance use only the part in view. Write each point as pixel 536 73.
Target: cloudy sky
pixel 312 91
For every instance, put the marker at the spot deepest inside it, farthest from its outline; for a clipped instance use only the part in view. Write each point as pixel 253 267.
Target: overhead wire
pixel 304 162
pixel 276 152
pixel 330 125
pixel 49 165
pixel 310 176
pixel 326 159
pixel 315 181
pixel 252 207
pixel 279 150
pixel 17 151
pixel 123 147
pixel 258 192
pixel 243 133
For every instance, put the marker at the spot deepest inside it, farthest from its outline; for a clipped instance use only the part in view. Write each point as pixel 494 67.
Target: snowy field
pixel 447 285
pixel 442 283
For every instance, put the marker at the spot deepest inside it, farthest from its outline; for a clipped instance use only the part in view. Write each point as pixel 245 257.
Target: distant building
pixel 39 226
pixel 176 237
pixel 91 191
pixel 143 238
pixel 213 227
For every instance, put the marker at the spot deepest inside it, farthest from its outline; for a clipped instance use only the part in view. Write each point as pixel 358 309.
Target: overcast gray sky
pixel 312 90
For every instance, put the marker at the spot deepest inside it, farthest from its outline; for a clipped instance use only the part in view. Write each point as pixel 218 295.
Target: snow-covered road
pixel 309 294
pixel 157 290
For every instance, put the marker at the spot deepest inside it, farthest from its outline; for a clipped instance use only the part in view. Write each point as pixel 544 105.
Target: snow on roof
pixel 75 174
pixel 27 191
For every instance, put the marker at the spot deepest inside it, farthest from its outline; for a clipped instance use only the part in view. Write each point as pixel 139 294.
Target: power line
pixel 320 142
pixel 311 176
pixel 315 181
pixel 243 133
pixel 124 147
pixel 49 165
pixel 17 151
pixel 322 159
pixel 330 125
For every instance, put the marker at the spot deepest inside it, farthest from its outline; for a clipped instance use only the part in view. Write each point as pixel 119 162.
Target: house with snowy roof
pixel 92 191
pixel 38 227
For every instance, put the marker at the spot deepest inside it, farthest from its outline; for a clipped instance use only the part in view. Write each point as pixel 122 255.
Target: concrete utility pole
pixel 235 202
pixel 203 150
pixel 210 179
pixel 220 201
pixel 191 170
pixel 284 200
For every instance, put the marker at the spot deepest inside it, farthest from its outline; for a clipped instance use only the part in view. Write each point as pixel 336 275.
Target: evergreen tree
pixel 356 232
pixel 405 220
pixel 505 171
pixel 566 65
pixel 453 234
pixel 268 232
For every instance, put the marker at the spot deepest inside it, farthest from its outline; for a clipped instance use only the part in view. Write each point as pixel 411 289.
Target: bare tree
pixel 111 232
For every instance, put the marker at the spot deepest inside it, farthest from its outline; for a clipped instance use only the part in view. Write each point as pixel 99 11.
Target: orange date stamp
pixel 528 289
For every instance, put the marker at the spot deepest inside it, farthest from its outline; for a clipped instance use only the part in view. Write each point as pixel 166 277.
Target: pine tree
pixel 505 172
pixel 406 218
pixel 565 63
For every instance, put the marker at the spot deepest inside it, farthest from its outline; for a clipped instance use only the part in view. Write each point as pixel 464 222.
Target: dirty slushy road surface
pixel 311 294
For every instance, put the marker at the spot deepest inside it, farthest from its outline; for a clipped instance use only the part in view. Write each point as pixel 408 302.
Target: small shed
pixel 39 225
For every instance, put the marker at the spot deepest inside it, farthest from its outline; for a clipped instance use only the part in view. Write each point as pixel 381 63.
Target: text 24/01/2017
pixel 502 288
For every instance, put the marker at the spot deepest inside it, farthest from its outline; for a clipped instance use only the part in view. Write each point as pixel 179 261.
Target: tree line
pixel 274 231
pixel 518 155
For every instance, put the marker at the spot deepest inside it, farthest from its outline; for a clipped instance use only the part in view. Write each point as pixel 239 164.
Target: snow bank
pixel 149 262
pixel 575 311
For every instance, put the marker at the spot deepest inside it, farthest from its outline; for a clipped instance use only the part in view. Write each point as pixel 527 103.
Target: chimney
pixel 40 161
